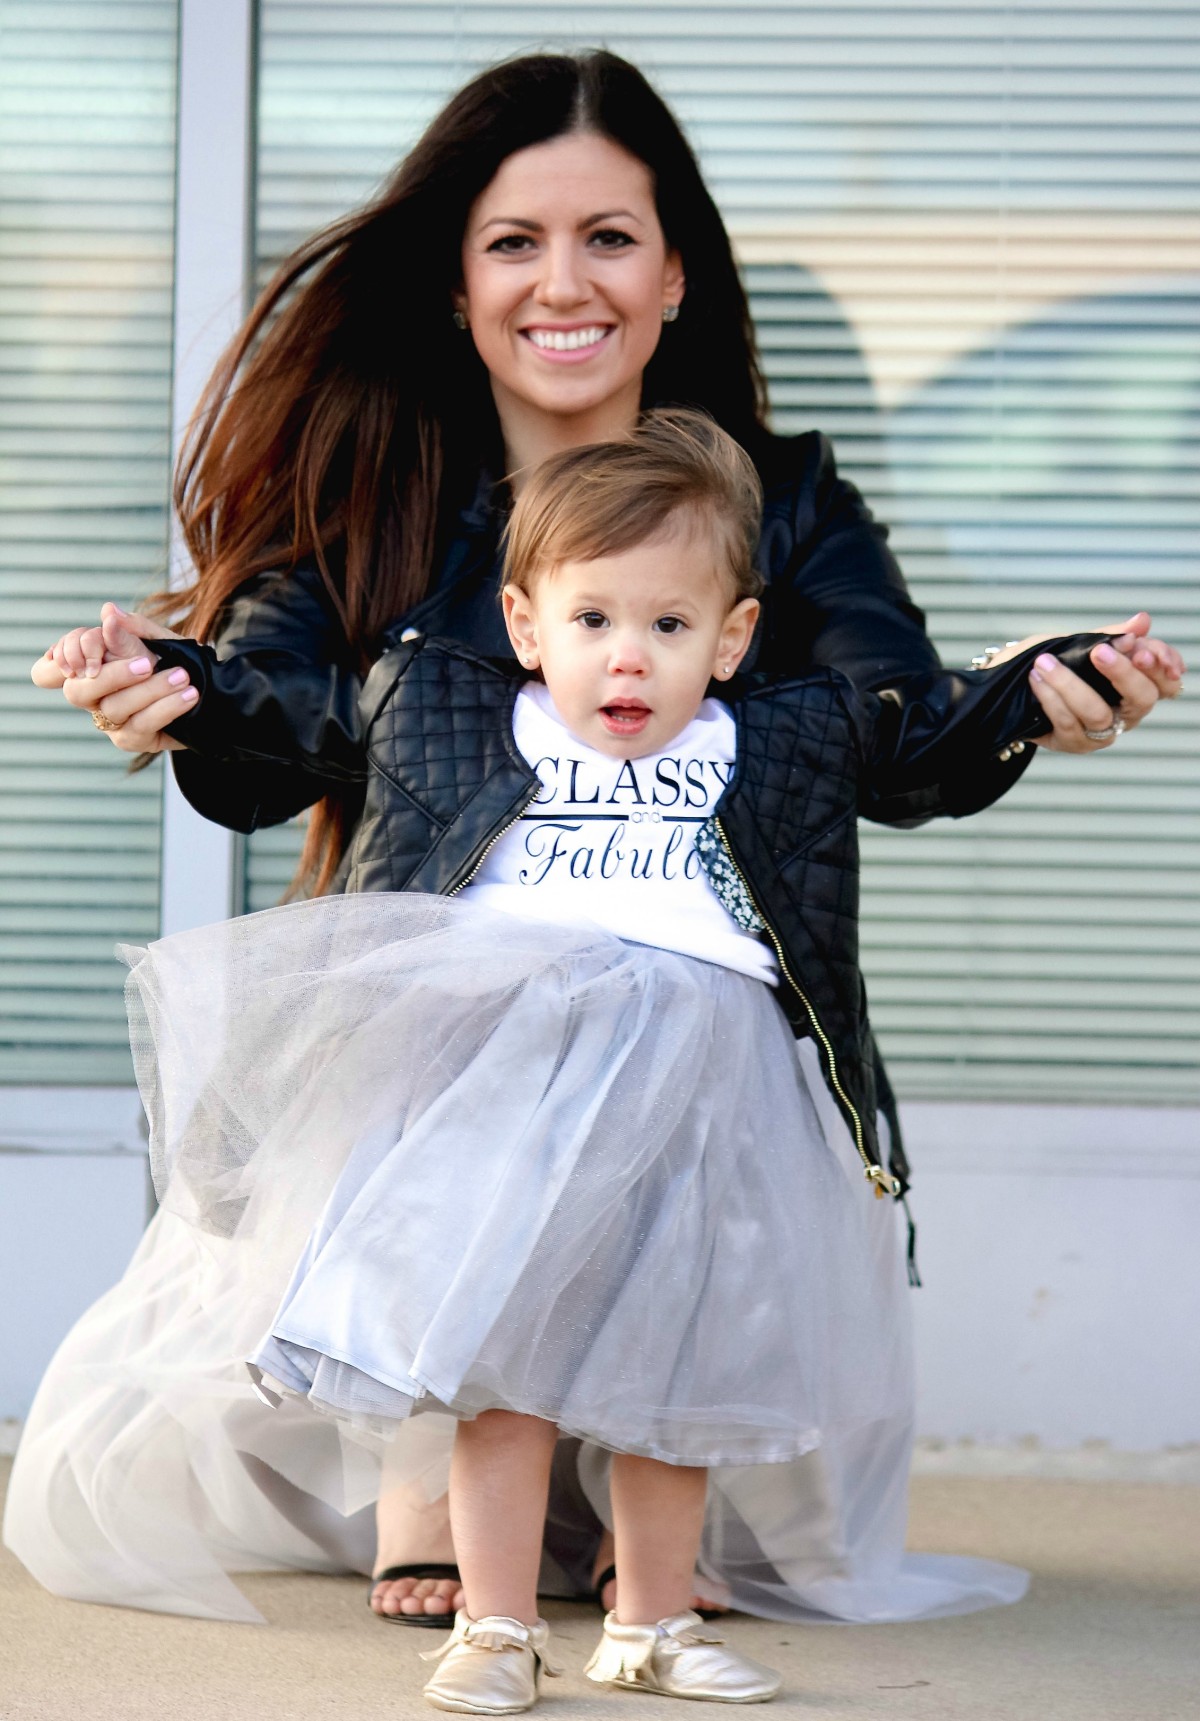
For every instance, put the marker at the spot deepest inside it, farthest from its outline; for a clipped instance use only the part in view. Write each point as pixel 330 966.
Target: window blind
pixel 86 221
pixel 971 240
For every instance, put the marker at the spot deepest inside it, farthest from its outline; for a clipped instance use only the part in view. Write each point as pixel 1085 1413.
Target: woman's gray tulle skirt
pixel 417 1159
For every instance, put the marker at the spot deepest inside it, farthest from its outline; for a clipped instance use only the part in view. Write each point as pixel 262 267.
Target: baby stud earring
pixel 670 312
pixel 460 320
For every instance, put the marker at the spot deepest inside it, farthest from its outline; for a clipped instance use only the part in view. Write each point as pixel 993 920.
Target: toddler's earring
pixel 460 320
pixel 670 312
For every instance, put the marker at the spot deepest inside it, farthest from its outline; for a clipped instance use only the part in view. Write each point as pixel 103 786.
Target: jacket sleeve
pixel 277 725
pixel 862 621
pixel 925 729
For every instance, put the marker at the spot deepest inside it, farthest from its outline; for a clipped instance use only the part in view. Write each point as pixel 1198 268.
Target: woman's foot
pixel 709 1607
pixel 439 1599
pixel 413 1532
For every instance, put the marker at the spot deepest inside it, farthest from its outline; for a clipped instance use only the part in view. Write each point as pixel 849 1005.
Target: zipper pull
pixel 882 1181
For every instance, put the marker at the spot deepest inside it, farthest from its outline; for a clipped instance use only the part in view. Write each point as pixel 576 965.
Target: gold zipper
pixel 880 1180
pixel 491 843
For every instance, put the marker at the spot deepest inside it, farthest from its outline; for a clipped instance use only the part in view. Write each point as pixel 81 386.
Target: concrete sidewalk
pixel 1109 1632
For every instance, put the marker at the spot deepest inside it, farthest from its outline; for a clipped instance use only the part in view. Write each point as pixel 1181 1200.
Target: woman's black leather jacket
pixel 443 780
pixel 834 597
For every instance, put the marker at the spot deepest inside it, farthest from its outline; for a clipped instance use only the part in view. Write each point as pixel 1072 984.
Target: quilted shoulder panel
pixel 444 730
pixel 798 761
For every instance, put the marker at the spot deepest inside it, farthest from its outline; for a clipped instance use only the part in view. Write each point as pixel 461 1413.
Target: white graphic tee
pixel 612 841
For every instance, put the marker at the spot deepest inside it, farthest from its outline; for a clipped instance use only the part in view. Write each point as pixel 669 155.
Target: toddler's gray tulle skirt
pixel 417 1159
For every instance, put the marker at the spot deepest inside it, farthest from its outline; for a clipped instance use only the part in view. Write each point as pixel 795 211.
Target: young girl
pixel 543 1156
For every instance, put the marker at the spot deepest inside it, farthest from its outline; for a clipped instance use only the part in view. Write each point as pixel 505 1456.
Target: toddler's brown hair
pixel 607 497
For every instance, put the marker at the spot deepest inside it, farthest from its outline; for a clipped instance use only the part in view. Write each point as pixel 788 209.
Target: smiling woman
pixel 547 293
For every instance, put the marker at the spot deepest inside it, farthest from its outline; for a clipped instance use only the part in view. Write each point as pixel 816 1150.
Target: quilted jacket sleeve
pixel 851 600
pixel 926 729
pixel 277 724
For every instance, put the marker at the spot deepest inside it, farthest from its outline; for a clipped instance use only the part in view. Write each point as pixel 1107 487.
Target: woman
pixel 545 262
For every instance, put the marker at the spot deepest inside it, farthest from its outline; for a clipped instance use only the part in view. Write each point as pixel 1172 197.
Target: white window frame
pixel 213 265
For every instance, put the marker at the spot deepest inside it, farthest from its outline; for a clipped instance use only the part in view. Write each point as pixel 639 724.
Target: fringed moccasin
pixel 489 1666
pixel 676 1659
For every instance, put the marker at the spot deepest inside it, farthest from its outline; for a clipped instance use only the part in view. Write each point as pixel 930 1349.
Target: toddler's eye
pixel 593 619
pixel 670 624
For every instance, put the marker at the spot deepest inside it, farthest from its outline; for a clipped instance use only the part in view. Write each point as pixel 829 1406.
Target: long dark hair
pixel 349 406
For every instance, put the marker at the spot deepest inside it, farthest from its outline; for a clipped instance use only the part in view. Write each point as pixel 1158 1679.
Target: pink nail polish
pixel 1106 654
pixel 177 677
pixel 1047 664
pixel 139 666
pixel 189 694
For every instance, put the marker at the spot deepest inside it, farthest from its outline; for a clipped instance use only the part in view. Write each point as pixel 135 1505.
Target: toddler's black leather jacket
pixel 434 747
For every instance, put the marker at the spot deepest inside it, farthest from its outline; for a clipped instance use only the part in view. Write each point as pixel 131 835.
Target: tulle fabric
pixel 418 1158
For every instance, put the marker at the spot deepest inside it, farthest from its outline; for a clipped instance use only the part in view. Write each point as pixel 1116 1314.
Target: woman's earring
pixel 460 320
pixel 670 312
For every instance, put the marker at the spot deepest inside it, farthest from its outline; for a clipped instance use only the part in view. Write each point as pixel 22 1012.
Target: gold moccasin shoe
pixel 489 1666
pixel 678 1658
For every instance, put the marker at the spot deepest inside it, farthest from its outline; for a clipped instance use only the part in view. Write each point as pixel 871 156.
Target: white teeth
pixel 565 341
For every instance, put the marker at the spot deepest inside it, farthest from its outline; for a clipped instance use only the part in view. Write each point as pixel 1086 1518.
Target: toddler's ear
pixel 736 635
pixel 522 628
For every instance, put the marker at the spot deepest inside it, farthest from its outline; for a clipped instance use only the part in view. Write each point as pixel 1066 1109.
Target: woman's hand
pixel 107 670
pixel 1143 671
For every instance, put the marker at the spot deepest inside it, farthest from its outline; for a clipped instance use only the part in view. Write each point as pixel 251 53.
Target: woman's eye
pixel 670 624
pixel 592 619
pixel 612 238
pixel 509 244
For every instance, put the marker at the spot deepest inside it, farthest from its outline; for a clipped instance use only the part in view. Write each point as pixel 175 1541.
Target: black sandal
pixel 610 1572
pixel 605 1577
pixel 431 1621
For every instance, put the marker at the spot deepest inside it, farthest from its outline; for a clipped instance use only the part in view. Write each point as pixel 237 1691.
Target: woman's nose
pixel 563 280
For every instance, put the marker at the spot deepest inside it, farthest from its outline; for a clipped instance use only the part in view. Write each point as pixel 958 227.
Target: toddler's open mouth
pixel 625 716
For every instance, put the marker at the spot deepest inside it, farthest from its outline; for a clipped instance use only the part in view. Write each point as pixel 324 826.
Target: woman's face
pixel 565 275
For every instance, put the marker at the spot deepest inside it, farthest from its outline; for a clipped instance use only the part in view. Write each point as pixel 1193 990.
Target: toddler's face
pixel 628 644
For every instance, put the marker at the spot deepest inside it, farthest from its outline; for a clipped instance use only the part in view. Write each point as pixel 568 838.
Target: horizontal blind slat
pixel 86 270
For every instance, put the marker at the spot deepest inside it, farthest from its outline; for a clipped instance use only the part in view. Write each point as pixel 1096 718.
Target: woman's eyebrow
pixel 611 215
pixel 511 221
pixel 536 226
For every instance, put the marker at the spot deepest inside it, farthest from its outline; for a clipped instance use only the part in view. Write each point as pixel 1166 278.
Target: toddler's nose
pixel 626 656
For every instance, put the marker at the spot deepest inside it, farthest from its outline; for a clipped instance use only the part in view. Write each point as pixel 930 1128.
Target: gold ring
pixel 103 722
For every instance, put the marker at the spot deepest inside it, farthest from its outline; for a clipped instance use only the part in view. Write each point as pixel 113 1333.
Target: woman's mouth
pixel 625 717
pixel 569 346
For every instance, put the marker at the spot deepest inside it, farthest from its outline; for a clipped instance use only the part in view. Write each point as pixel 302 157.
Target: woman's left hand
pixel 1143 671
